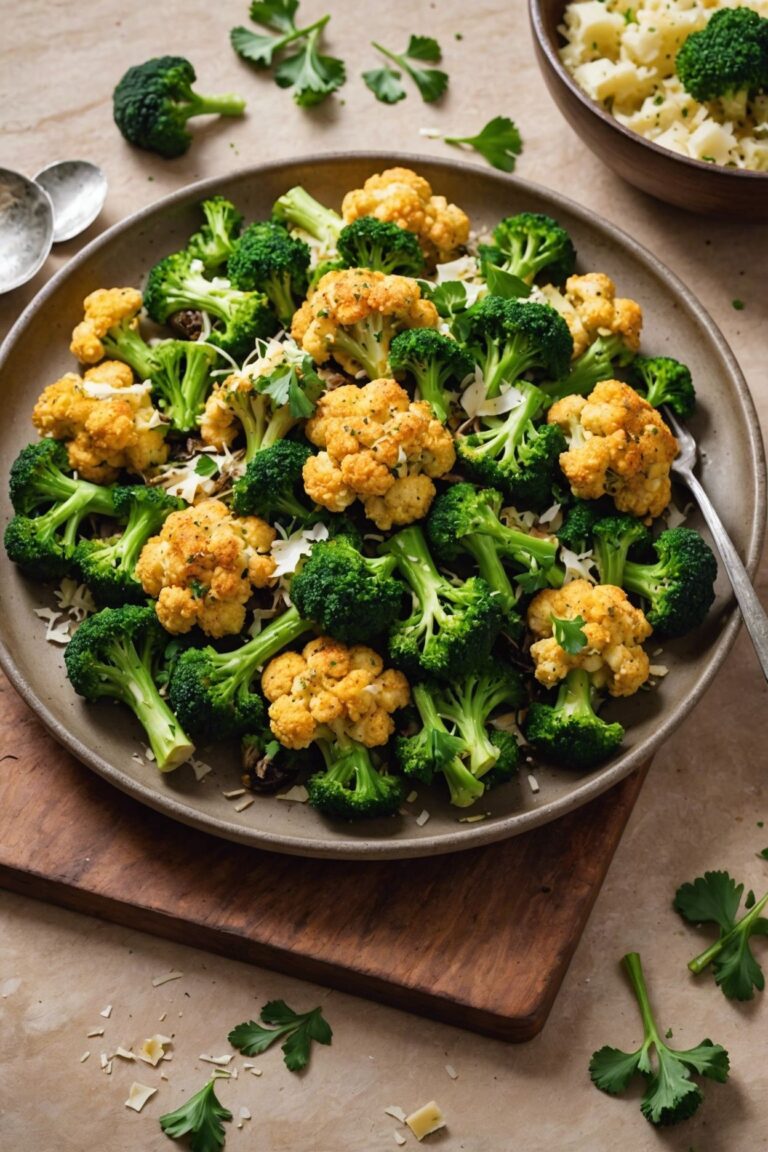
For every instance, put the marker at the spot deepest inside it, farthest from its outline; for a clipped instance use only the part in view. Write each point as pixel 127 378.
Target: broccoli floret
pixel 268 407
pixel 507 338
pixel 351 787
pixel 153 101
pixel 107 565
pixel 613 538
pixel 510 452
pixel 569 731
pixel 435 361
pixel 42 543
pixel 529 243
pixel 271 481
pixel 243 317
pixel 268 259
pixel 298 209
pixel 118 654
pixel 452 627
pixel 579 523
pixel 664 380
pixel 468 704
pixel 507 762
pixel 729 55
pixel 434 750
pixel 211 692
pixel 215 241
pixel 679 588
pixel 599 362
pixel 378 244
pixel 346 594
pixel 123 341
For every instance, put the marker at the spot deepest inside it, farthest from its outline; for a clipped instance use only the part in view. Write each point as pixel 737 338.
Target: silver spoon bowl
pixel 26 229
pixel 77 190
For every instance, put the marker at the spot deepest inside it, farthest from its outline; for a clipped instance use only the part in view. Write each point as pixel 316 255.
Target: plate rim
pixel 467 836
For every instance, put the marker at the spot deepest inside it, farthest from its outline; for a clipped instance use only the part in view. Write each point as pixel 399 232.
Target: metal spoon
pixel 77 190
pixel 26 229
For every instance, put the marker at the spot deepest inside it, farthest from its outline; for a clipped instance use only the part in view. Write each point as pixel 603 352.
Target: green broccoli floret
pixel 569 731
pixel 346 594
pixel 42 543
pixel 215 241
pixel 242 317
pixel 512 453
pixel 434 750
pixel 211 692
pixel 153 101
pixel 452 627
pixel 435 362
pixel 123 341
pixel 118 654
pixel 107 565
pixel 579 523
pixel 271 481
pixel 730 55
pixel 508 338
pixel 613 538
pixel 679 588
pixel 298 209
pixel 507 762
pixel 468 703
pixel 529 243
pixel 351 787
pixel 378 244
pixel 599 362
pixel 268 259
pixel 663 380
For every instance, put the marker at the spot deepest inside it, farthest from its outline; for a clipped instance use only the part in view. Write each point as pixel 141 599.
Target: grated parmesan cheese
pixel 138 1095
pixel 426 1120
pixel 173 975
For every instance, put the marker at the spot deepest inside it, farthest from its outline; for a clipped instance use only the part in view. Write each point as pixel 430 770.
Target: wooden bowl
pixel 679 180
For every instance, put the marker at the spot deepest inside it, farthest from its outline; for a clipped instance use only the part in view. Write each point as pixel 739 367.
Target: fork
pixel 752 611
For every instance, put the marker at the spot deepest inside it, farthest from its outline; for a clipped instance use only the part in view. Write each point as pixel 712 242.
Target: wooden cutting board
pixel 481 939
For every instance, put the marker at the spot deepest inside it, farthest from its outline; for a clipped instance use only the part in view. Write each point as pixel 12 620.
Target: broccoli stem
pixel 85 499
pixel 227 104
pixel 127 344
pixel 418 568
pixel 370 347
pixel 430 384
pixel 643 579
pixel 489 564
pixel 740 929
pixel 297 207
pixel 575 695
pixel 464 788
pixel 504 367
pixel 279 292
pixel 502 434
pixel 243 662
pixel 592 366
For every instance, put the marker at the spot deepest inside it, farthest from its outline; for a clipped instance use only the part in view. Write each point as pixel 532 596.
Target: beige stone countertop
pixel 703 804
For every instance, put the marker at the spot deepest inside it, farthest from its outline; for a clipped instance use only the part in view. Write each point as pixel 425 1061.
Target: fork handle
pixel 752 611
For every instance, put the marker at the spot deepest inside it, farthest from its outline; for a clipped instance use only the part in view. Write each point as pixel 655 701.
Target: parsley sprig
pixel 670 1095
pixel 499 142
pixel 385 83
pixel 569 634
pixel 714 898
pixel 310 74
pixel 201 1116
pixel 296 1029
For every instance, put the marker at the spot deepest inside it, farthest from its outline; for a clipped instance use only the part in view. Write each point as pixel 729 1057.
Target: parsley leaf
pixel 385 84
pixel 297 1029
pixel 505 284
pixel 206 466
pixel 449 298
pixel 499 142
pixel 424 48
pixel 431 82
pixel 569 635
pixel 298 390
pixel 277 14
pixel 670 1095
pixel 714 898
pixel 201 1116
pixel 311 75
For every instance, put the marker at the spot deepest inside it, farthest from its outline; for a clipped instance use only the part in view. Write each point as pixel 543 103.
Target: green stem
pixel 634 969
pixel 227 104
pixel 700 962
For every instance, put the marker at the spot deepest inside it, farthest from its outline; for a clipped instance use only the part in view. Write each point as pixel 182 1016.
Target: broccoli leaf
pixel 714 898
pixel 423 48
pixel 202 1116
pixel 385 84
pixel 277 14
pixel 297 1029
pixel 569 634
pixel 499 142
pixel 312 76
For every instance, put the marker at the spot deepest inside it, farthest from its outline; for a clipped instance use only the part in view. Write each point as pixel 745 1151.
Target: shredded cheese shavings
pixel 173 975
pixel 152 1050
pixel 138 1095
pixel 395 1112
pixel 287 553
pixel 124 1054
pixel 451 1071
pixel 533 783
pixel 106 1012
pixel 422 818
pixel 297 793
pixel 475 402
pixel 426 1120
pixel 218 1060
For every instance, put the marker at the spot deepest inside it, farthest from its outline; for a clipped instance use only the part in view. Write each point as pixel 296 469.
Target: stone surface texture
pixel 700 809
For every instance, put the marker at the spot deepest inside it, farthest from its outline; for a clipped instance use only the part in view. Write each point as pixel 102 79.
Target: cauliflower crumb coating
pixel 357 306
pixel 618 445
pixel 614 629
pixel 103 308
pixel 332 688
pixel 106 432
pixel 379 447
pixel 203 567
pixel 401 197
pixel 591 308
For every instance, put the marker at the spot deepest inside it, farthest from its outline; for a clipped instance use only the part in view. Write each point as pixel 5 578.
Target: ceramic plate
pixel 106 738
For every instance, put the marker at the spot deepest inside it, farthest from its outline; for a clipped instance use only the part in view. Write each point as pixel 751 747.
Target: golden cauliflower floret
pixel 600 311
pixel 332 689
pixel 618 445
pixel 353 316
pixel 103 308
pixel 614 631
pixel 203 566
pixel 105 431
pixel 401 197
pixel 377 446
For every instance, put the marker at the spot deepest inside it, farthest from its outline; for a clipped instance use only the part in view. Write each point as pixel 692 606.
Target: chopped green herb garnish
pixel 499 142
pixel 569 634
pixel 311 75
pixel 431 82
pixel 714 898
pixel 201 1117
pixel 297 1030
pixel 738 305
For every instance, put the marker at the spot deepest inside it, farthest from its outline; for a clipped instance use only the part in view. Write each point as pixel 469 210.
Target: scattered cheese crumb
pixel 234 793
pixel 158 980
pixel 138 1096
pixel 658 670
pixel 152 1050
pixel 422 818
pixel 399 1138
pixel 533 783
pixel 124 1054
pixel 199 768
pixel 451 1071
pixel 297 793
pixel 163 1076
pixel 220 1060
pixel 106 1012
pixel 243 804
pixel 161 1018
pixel 103 1059
pixel 245 1113
pixel 411 797
pixel 95 1032
pixel 474 819
pixel 426 1120
pixel 247 1067
pixel 430 133
pixel 84 1057
pixel 395 1112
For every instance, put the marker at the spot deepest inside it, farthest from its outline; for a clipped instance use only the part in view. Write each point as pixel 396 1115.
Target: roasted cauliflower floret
pixel 203 566
pixel 332 689
pixel 591 308
pixel 380 447
pixel 403 198
pixel 108 425
pixel 354 315
pixel 614 631
pixel 103 308
pixel 617 445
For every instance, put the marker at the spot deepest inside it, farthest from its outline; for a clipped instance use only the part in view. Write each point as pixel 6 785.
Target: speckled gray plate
pixel 105 737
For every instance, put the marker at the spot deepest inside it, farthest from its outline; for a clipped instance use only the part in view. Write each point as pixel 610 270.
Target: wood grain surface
pixel 481 939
